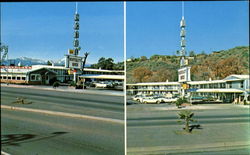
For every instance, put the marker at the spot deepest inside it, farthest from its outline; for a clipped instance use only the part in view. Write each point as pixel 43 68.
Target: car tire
pixel 158 102
pixel 144 102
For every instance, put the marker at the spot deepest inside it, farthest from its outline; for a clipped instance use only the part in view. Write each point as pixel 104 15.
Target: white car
pixel 169 99
pixel 137 98
pixel 151 100
pixel 103 85
pixel 166 99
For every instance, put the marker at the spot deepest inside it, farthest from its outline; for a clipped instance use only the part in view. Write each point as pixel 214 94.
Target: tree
pixel 109 63
pixel 144 58
pixel 203 53
pixel 191 53
pixel 164 74
pixel 227 67
pixel 119 66
pixel 178 52
pixel 187 117
pixel 104 63
pixel 49 63
pixel 142 74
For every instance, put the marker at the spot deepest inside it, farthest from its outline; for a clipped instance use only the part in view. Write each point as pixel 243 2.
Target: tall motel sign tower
pixel 184 71
pixel 73 61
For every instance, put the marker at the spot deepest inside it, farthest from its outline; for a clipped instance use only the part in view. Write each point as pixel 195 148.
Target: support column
pixel 74 78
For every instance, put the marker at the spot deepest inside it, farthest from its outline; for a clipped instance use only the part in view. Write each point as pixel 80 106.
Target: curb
pixel 220 146
pixel 4 153
pixel 111 120
pixel 61 90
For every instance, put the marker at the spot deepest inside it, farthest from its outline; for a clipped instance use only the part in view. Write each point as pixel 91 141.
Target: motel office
pixel 45 74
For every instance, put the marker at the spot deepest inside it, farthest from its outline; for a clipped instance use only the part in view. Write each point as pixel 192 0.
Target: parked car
pixel 170 99
pixel 138 98
pixel 151 100
pixel 166 99
pixel 104 85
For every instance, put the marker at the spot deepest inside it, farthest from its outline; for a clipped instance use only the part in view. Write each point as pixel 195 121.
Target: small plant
pixel 180 101
pixel 72 83
pixel 21 100
pixel 187 117
pixel 56 84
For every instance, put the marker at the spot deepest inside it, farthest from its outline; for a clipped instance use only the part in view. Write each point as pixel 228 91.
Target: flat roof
pixel 206 82
pixel 85 69
pixel 229 90
pixel 96 76
pixel 154 83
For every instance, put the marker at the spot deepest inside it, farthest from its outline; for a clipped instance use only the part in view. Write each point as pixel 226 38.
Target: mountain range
pixel 25 61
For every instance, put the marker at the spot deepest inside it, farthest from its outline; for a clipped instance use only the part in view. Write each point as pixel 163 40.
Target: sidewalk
pixel 68 89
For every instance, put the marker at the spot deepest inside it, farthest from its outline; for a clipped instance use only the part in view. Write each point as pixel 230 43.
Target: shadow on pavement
pixel 17 139
pixel 196 126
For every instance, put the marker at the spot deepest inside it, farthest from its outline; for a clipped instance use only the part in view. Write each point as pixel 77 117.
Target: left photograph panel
pixel 62 78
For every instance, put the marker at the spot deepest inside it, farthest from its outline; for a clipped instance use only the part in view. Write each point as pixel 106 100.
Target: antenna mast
pixel 76 7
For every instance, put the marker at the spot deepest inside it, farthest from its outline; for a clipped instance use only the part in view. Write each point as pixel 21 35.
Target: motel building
pixel 154 88
pixel 46 75
pixel 232 89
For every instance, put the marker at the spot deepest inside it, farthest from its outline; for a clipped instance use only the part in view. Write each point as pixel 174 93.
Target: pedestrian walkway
pixel 68 89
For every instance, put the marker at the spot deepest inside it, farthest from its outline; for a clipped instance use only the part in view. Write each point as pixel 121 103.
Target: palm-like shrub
pixel 187 117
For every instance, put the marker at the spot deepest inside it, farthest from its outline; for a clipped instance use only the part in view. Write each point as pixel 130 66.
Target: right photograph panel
pixel 187 77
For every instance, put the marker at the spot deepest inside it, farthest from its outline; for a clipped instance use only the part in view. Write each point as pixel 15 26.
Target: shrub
pixel 72 83
pixel 187 117
pixel 56 84
pixel 180 101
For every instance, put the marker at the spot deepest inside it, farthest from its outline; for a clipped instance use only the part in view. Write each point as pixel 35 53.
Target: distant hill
pixel 25 61
pixel 217 65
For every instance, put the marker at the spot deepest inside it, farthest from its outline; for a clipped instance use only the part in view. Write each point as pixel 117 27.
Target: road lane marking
pixel 188 148
pixel 64 114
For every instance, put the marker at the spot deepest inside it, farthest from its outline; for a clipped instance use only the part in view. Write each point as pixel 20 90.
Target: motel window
pixel 13 78
pixel 216 85
pixel 241 84
pixel 4 77
pixel 230 85
pixel 9 77
pixel 33 77
pixel 0 77
pixel 23 78
pixel 222 85
pixel 18 78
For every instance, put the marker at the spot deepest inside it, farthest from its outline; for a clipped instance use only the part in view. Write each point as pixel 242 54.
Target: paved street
pixel 61 122
pixel 154 129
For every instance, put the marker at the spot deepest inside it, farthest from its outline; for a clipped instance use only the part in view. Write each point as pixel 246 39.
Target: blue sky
pixel 44 30
pixel 153 27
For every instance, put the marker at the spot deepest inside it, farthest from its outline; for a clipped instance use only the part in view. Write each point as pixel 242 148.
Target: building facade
pixel 45 75
pixel 234 88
